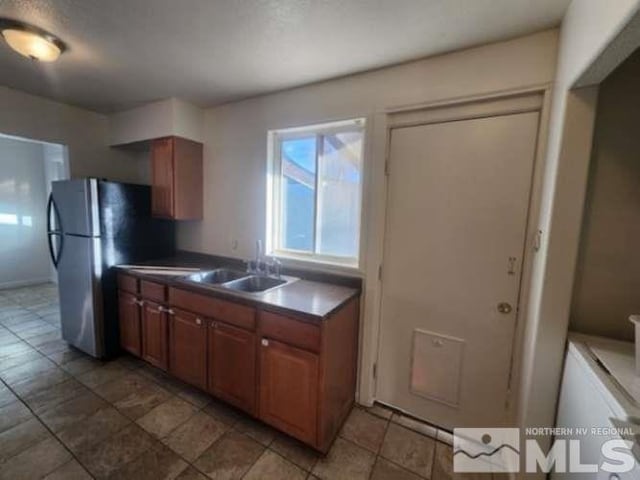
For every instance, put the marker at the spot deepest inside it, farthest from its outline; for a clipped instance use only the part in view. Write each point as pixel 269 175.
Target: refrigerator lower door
pixel 80 294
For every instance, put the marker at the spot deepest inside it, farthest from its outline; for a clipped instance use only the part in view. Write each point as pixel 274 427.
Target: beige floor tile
pixel 191 474
pixel 158 462
pixel 71 470
pixel 294 451
pixel 364 429
pixel 93 429
pixel 31 323
pixel 81 365
pixel 104 458
pixel 385 470
pixel 409 449
pixel 64 356
pixel 13 414
pixel 271 466
pixel 48 398
pixel 35 384
pixel 195 396
pixel 223 412
pixel 14 347
pixel 345 461
pixel 102 374
pixel 19 359
pixel 141 400
pixel 255 429
pixel 230 457
pixel 121 387
pixel 166 417
pixel 27 370
pixel 53 346
pixel 20 437
pixel 45 338
pixel 74 410
pixel 193 437
pixel 36 461
pixel 6 395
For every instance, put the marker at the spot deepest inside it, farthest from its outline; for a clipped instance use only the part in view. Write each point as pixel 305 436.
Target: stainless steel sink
pixel 216 277
pixel 255 283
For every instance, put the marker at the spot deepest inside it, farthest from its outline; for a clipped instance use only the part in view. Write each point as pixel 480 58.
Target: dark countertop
pixel 310 298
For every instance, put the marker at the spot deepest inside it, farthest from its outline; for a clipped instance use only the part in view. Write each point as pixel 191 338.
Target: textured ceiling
pixel 123 53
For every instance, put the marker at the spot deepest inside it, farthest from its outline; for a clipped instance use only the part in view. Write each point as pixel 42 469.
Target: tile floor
pixel 66 416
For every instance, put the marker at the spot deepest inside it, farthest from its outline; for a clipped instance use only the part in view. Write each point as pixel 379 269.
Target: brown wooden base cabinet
pixel 129 321
pixel 232 365
pixel 289 389
pixel 294 373
pixel 154 335
pixel 188 347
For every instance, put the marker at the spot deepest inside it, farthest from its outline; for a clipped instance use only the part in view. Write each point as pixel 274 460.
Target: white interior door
pixel 458 199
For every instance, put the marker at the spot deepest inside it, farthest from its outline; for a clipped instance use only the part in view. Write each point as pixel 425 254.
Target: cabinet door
pixel 129 320
pixel 154 335
pixel 232 365
pixel 289 389
pixel 162 175
pixel 188 348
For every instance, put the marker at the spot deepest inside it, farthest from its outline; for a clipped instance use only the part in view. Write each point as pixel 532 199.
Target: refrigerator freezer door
pixel 80 294
pixel 76 202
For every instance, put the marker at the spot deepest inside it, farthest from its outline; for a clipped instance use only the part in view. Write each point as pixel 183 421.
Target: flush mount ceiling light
pixel 31 42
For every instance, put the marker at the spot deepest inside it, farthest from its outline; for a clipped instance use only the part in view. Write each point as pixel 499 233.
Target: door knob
pixel 504 307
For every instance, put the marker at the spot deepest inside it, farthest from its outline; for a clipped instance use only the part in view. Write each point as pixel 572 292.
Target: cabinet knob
pixel 214 325
pixel 198 321
pixel 265 342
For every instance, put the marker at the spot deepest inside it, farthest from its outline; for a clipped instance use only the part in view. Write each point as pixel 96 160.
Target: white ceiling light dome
pixel 31 42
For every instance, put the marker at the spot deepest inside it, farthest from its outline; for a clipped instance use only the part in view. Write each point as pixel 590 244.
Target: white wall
pixel 235 134
pixel 84 133
pixel 23 248
pixel 588 27
pixel 607 285
pixel 154 120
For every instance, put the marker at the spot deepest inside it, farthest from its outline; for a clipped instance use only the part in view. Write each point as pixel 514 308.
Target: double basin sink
pixel 236 280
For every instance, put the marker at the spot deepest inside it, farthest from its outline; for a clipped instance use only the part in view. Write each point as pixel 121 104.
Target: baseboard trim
pixel 24 283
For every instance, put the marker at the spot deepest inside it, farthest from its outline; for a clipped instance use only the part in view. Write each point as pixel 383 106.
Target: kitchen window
pixel 315 192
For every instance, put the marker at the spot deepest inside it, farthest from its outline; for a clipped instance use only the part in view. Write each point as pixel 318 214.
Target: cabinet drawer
pixel 128 283
pixel 289 330
pixel 153 291
pixel 229 312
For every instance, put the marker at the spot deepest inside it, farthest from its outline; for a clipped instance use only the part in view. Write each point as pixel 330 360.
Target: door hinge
pixel 380 272
pixel 537 241
pixel 375 371
pixel 386 166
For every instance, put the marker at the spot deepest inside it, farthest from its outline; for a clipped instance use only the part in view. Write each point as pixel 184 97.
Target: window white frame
pixel 274 190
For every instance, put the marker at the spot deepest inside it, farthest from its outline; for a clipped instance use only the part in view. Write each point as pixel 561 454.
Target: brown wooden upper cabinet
pixel 176 178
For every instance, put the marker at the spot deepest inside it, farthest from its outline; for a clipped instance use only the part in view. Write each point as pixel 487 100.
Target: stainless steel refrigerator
pixel 92 226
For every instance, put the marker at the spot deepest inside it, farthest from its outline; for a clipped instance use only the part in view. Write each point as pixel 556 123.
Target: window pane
pixel 339 203
pixel 298 193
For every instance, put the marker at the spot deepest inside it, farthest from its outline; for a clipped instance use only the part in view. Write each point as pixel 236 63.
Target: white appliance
pixel 600 389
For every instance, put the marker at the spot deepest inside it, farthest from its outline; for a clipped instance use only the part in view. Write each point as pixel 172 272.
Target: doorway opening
pixel 29 306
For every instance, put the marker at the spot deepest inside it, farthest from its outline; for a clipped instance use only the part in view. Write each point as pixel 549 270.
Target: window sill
pixel 319 265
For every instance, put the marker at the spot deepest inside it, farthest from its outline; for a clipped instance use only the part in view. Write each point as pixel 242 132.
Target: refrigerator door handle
pixel 52 209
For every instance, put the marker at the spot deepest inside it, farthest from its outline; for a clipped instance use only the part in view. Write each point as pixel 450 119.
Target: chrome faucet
pixel 258 265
